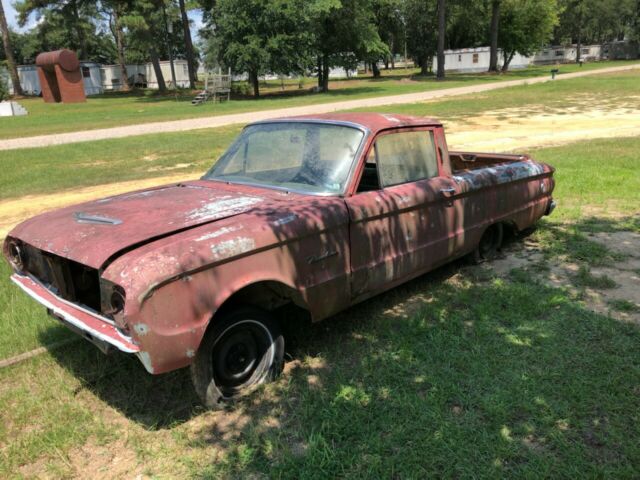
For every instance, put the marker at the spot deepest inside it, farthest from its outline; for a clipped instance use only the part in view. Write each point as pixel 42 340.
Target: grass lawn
pixel 455 374
pixel 461 373
pixel 111 110
pixel 30 171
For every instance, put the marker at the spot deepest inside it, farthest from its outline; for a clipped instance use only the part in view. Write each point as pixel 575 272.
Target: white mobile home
pixel 182 74
pixel 29 80
pixel 566 54
pixel 92 78
pixel 476 60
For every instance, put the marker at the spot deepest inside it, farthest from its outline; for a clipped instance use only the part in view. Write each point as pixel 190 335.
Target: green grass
pixel 456 374
pixel 46 170
pixel 622 305
pixel 29 171
pixel 584 278
pixel 127 109
pixel 497 379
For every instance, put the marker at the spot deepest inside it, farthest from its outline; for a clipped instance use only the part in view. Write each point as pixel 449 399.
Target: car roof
pixel 371 121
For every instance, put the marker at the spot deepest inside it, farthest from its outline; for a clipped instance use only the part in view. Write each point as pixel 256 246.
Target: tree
pixel 8 53
pixel 76 15
pixel 495 22
pixel 260 36
pixel 421 26
pixel 524 26
pixel 595 21
pixel 143 20
pixel 342 27
pixel 114 10
pixel 188 45
pixel 441 32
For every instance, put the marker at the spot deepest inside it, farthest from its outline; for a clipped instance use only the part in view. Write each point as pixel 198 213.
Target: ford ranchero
pixel 319 212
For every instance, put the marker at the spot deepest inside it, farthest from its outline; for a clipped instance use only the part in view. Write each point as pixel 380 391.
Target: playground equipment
pixel 216 87
pixel 60 77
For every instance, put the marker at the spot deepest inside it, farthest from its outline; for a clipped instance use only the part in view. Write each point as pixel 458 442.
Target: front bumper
pixel 97 329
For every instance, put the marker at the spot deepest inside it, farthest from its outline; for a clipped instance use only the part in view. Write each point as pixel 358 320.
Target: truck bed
pixel 479 170
pixel 466 161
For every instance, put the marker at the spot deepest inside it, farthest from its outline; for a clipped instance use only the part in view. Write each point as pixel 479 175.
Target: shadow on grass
pixel 452 374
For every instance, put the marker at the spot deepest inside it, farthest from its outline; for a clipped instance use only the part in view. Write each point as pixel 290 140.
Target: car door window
pixel 406 157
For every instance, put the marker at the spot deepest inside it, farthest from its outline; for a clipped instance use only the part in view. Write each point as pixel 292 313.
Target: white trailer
pixel 477 60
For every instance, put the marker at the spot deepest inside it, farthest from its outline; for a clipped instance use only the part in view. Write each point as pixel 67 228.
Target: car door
pixel 402 223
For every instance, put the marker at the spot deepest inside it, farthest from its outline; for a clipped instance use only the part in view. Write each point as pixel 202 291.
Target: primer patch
pixel 218 233
pixel 230 248
pixel 222 206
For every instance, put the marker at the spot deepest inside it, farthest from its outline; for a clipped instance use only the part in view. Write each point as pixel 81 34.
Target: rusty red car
pixel 319 212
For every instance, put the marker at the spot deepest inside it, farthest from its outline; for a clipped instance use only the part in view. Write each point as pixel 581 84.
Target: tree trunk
pixel 441 33
pixel 507 60
pixel 255 82
pixel 579 35
pixel 8 52
pixel 119 34
pixel 393 56
pixel 82 41
pixel 320 82
pixel 162 87
pixel 424 65
pixel 325 73
pixel 188 45
pixel 375 69
pixel 495 20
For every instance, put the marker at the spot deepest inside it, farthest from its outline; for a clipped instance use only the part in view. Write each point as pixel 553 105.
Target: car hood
pixel 96 232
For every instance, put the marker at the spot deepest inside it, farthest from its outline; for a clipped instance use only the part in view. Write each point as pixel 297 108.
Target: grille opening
pixel 70 280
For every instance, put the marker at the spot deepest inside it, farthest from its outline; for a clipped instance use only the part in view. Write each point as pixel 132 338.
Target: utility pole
pixel 168 26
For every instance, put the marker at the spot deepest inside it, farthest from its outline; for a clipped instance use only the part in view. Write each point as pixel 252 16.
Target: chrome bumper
pixel 99 330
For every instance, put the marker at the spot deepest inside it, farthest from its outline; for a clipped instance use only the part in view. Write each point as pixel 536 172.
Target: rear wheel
pixel 243 349
pixel 489 245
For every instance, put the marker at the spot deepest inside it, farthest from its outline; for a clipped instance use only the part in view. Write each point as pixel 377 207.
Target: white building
pixel 567 54
pixel 98 78
pixel 476 60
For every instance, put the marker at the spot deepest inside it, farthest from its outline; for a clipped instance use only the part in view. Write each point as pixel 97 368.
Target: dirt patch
pixel 620 299
pixel 537 126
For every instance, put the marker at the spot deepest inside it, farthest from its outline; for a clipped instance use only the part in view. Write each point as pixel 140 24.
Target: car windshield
pixel 300 156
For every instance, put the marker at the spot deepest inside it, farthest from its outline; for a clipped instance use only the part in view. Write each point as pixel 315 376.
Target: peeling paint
pixel 218 233
pixel 233 247
pixel 222 205
pixel 285 220
pixel 141 329
pixel 191 353
pixel 509 172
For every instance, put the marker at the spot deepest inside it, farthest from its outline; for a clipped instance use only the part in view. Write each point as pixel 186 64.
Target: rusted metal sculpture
pixel 60 77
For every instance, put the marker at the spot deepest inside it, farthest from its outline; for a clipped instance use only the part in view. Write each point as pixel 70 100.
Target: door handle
pixel 448 192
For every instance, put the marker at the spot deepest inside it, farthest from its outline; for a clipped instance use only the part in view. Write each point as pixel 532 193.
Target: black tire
pixel 241 350
pixel 489 244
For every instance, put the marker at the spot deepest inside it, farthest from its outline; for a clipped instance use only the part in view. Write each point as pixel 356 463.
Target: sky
pixel 11 16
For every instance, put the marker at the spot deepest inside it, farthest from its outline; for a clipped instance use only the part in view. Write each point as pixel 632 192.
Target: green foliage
pixel 288 36
pixel 597 21
pixel 73 24
pixel 525 25
pixel 422 31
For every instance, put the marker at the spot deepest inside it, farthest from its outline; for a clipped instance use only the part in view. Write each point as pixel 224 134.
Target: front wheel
pixel 243 349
